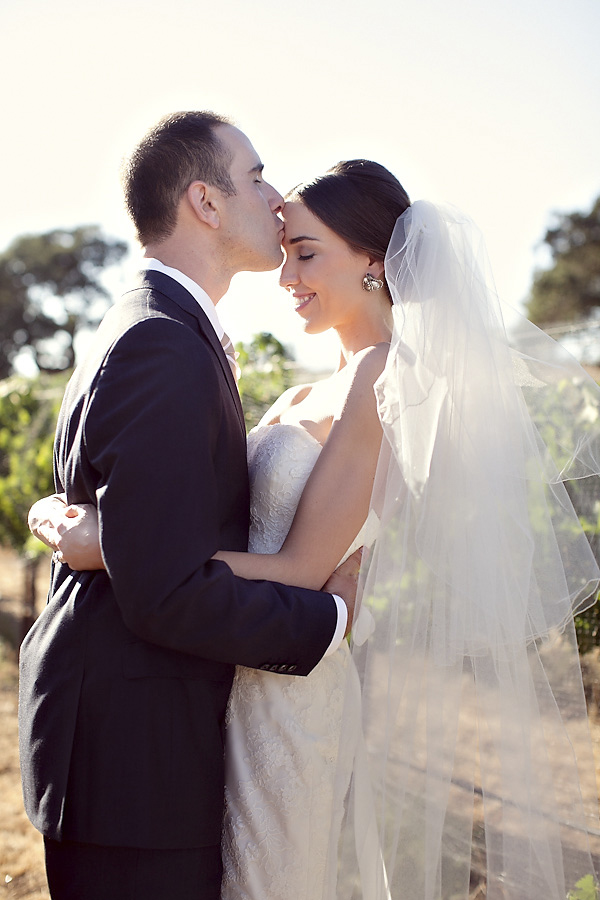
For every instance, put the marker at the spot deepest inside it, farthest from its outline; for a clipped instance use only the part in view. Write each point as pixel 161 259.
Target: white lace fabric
pixel 283 732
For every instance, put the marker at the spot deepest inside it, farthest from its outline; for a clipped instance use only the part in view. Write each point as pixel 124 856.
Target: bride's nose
pixel 288 277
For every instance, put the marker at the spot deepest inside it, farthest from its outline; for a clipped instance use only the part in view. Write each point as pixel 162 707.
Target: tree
pixel 35 270
pixel 266 372
pixel 570 288
pixel 28 411
pixel 585 496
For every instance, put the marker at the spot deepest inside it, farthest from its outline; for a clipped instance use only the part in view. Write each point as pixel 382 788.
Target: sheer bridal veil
pixel 475 759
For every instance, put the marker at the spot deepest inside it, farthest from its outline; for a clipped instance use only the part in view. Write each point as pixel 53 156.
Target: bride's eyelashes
pixel 304 258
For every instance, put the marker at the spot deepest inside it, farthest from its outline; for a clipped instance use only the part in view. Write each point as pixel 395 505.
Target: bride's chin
pixel 315 328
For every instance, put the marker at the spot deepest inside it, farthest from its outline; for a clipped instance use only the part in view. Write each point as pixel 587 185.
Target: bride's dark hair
pixel 359 200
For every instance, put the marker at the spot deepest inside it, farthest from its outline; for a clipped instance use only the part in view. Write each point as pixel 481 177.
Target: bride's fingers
pixel 80 509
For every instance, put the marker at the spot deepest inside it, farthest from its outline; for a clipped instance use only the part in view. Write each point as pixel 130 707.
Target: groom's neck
pixel 197 262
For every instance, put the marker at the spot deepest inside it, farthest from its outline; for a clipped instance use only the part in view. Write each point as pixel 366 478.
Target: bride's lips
pixel 302 300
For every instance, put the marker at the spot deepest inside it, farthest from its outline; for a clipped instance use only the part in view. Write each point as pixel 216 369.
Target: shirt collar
pixel 198 293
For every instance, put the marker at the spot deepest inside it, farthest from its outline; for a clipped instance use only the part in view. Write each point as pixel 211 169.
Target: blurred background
pixel 492 107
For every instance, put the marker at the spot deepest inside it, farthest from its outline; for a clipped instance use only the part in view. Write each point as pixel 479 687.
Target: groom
pixel 125 676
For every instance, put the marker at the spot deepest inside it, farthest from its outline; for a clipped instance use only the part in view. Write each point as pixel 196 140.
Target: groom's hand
pixel 344 582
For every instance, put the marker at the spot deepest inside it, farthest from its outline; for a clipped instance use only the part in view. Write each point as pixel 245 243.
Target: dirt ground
pixel 21 849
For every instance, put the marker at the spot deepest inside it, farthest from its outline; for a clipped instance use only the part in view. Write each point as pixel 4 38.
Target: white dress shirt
pixel 209 308
pixel 198 293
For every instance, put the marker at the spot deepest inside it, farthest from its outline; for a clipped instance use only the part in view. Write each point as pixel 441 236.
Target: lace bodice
pixel 280 460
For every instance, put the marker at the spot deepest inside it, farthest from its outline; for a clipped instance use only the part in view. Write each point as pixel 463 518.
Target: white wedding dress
pixel 282 731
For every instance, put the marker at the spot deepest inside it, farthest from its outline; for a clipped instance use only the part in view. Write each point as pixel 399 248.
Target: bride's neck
pixel 356 337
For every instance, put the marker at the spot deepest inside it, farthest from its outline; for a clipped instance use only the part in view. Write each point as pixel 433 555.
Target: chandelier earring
pixel 370 283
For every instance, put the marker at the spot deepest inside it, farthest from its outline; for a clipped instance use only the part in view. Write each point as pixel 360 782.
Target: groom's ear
pixel 203 200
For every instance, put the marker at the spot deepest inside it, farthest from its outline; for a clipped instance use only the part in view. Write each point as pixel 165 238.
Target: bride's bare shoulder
pixel 289 398
pixel 368 364
pixel 357 398
pixel 350 391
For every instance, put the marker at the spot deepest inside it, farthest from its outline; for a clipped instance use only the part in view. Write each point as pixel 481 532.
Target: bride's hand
pixel 344 582
pixel 44 516
pixel 71 531
pixel 78 542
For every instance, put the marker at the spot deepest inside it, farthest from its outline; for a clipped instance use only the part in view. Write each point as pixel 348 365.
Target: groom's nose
pixel 275 199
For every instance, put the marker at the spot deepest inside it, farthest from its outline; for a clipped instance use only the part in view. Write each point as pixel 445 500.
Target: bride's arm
pixel 335 500
pixel 44 516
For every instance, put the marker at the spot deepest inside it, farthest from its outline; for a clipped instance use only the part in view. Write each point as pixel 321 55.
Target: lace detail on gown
pixel 282 731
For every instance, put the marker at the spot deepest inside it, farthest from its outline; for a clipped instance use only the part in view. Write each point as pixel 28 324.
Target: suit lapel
pixel 164 284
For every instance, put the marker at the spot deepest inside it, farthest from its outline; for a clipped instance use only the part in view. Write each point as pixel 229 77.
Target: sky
pixel 493 107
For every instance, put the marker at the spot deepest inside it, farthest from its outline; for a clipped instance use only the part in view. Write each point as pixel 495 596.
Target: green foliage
pixel 28 410
pixel 571 412
pixel 267 371
pixel 585 889
pixel 49 288
pixel 587 626
pixel 570 289
pixel 585 495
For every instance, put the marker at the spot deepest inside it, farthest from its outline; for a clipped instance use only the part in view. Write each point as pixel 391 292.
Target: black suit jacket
pixel 125 676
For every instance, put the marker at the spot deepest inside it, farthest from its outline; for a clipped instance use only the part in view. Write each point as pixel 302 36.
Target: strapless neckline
pixel 288 425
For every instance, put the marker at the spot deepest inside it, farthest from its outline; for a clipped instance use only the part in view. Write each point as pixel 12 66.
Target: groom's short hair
pixel 178 150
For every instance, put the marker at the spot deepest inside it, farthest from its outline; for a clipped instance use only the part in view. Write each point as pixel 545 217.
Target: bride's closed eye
pixel 308 256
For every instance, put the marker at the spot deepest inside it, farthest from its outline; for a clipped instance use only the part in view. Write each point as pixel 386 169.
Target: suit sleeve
pixel 153 432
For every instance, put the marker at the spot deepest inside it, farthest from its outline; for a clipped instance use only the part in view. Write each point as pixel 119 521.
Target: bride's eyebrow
pixel 303 237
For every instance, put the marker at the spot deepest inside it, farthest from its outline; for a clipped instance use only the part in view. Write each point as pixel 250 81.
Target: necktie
pixel 231 355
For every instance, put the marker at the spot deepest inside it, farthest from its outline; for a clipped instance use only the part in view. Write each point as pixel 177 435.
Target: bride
pixel 428 437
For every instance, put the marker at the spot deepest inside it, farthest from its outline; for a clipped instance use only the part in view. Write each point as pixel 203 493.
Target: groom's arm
pixel 156 426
